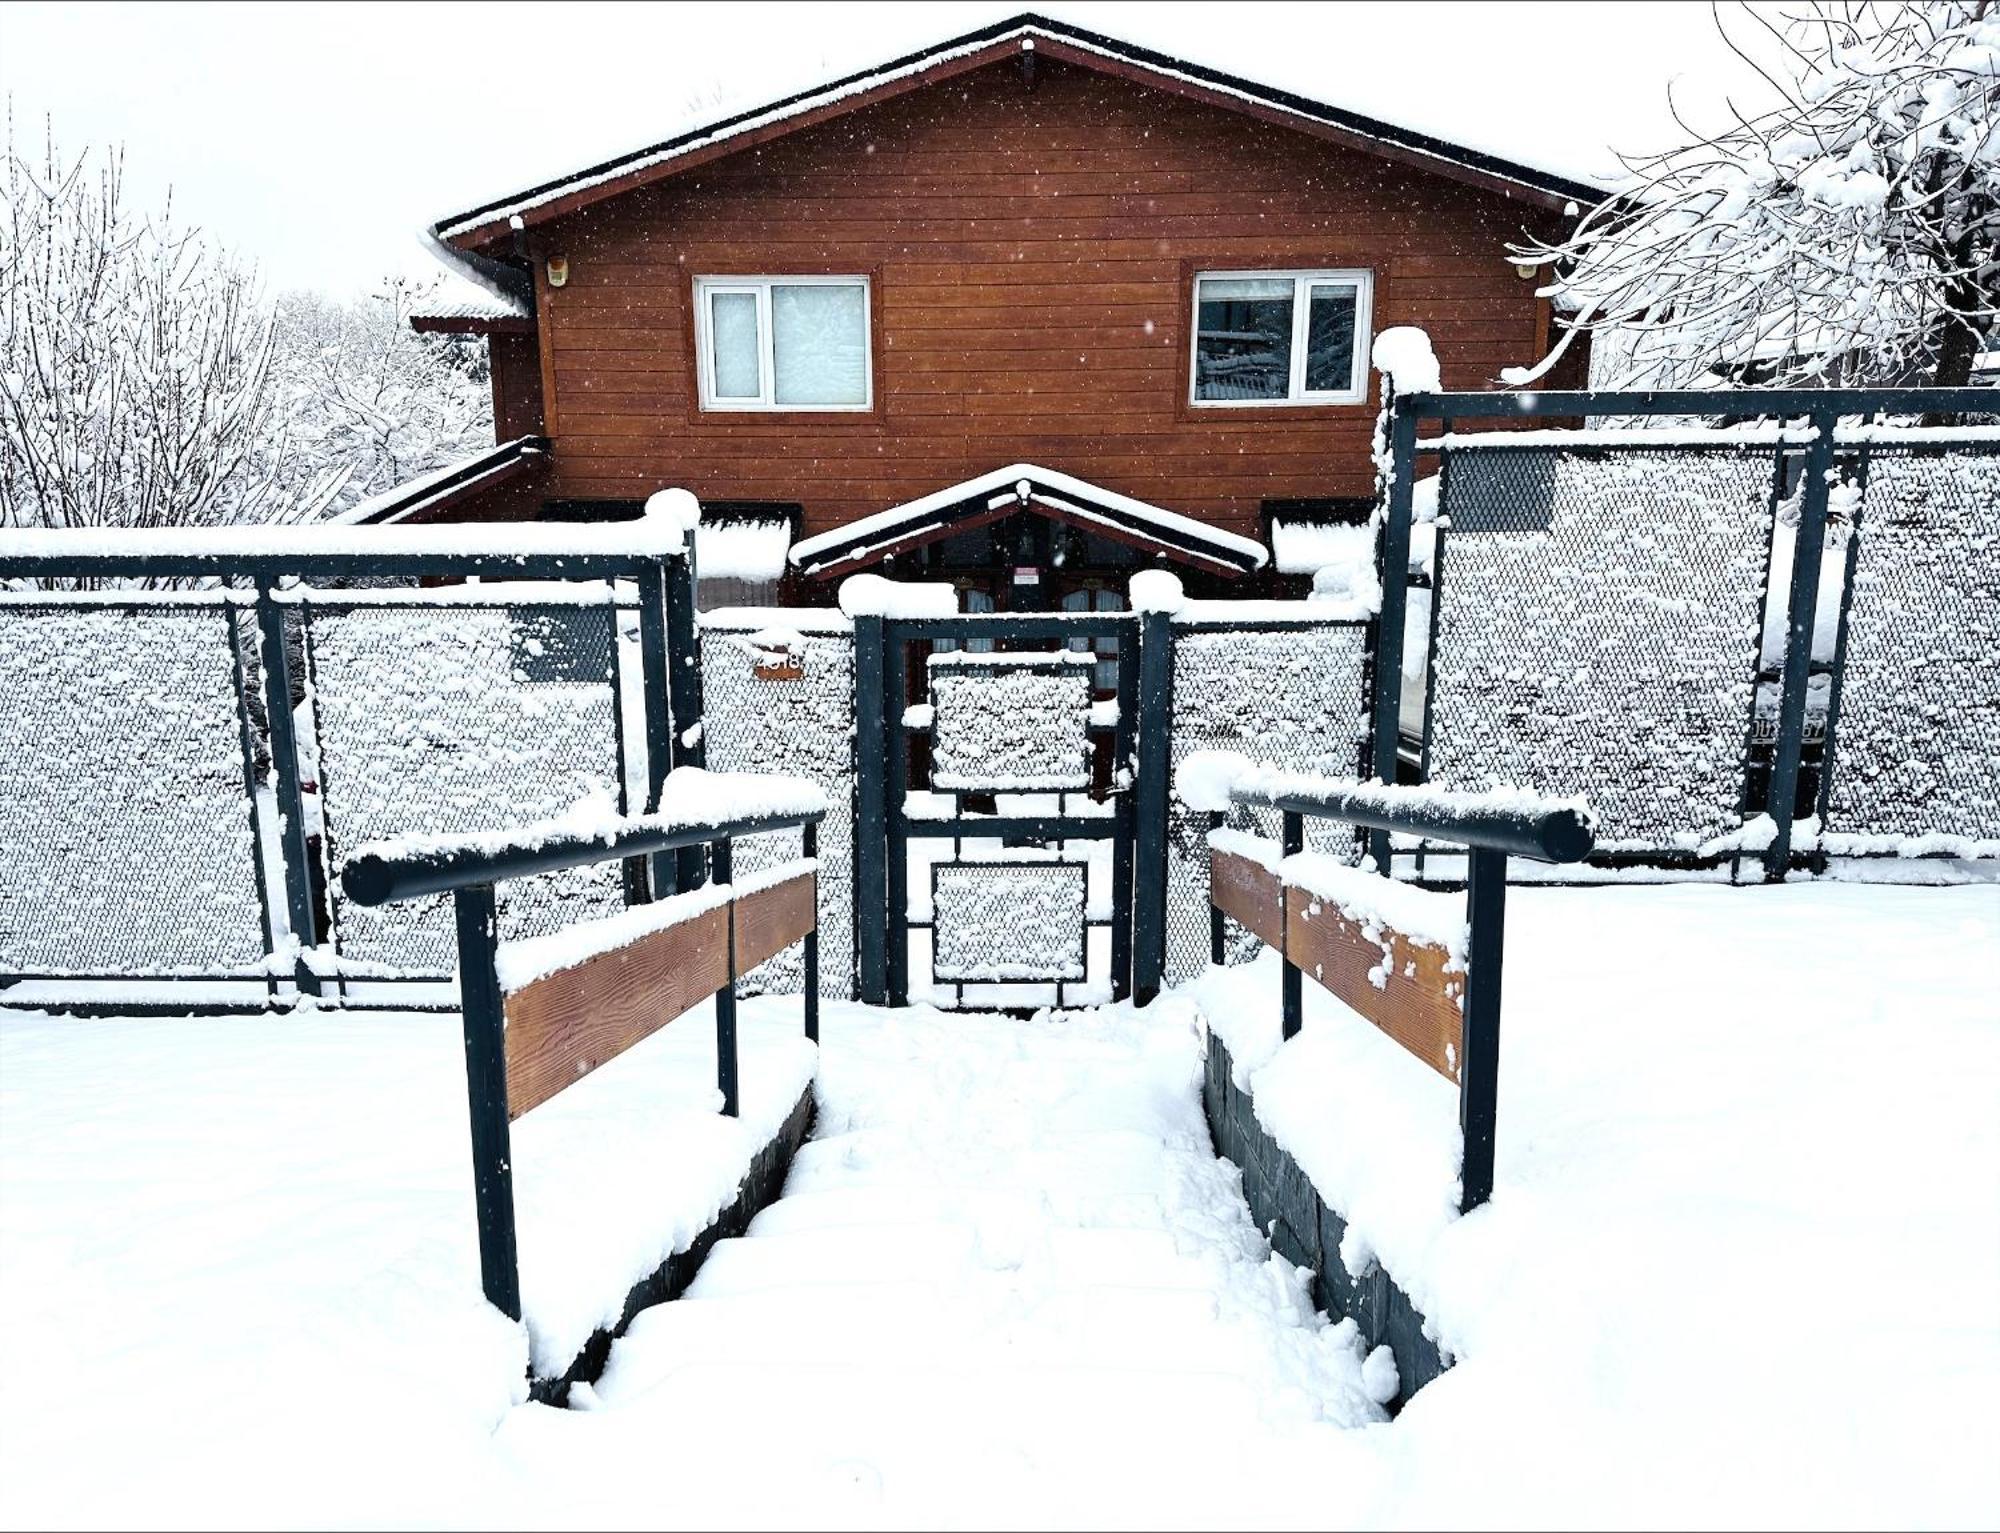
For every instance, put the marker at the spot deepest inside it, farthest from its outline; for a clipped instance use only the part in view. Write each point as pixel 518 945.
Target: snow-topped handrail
pixel 1510 820
pixel 700 807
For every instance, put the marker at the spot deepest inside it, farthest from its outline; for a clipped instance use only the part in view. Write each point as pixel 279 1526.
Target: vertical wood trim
pixel 545 325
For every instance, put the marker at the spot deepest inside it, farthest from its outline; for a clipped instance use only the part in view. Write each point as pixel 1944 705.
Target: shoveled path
pixel 1008 1276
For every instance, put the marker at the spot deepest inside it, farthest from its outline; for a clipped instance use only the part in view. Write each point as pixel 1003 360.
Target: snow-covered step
pixel 840 1257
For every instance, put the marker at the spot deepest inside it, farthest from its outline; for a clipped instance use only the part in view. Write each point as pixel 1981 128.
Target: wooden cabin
pixel 1024 311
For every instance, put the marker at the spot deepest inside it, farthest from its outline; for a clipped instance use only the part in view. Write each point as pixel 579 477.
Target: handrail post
pixel 486 1095
pixel 1479 1070
pixel 1149 872
pixel 293 855
pixel 1802 610
pixel 656 687
pixel 1291 977
pixel 896 749
pixel 809 844
pixel 1395 601
pixel 726 1076
pixel 871 892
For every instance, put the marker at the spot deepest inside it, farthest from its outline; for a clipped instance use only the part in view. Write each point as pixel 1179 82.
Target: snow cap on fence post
pixel 676 508
pixel 1402 354
pixel 878 596
pixel 1157 591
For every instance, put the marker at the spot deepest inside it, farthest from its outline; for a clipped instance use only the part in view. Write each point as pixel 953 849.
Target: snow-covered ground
pixel 1738 1267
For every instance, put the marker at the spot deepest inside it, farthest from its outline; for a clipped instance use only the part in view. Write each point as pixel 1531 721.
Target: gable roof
pixel 1025 33
pixel 1024 487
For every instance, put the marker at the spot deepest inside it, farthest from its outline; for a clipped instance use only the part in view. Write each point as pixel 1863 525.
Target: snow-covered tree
pixel 1847 234
pixel 369 402
pixel 135 362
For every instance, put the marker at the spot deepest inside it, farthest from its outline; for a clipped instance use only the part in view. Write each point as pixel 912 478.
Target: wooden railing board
pixel 770 920
pixel 567 1024
pixel 1418 1001
pixel 1248 893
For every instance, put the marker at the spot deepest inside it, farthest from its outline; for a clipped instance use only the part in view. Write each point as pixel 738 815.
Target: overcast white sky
pixel 318 139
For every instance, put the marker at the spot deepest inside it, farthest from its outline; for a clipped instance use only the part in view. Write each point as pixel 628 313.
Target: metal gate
pixel 1025 802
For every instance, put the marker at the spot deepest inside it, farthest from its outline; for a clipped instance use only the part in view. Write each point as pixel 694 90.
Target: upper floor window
pixel 783 343
pixel 1281 337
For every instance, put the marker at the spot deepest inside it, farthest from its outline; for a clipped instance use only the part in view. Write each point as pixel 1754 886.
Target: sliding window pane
pixel 1243 338
pixel 819 333
pixel 732 336
pixel 1330 339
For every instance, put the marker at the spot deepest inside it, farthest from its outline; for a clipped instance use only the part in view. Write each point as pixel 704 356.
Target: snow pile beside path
pixel 1722 1111
pixel 239 1268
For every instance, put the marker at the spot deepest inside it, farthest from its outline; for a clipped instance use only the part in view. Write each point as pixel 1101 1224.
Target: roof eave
pixel 482 225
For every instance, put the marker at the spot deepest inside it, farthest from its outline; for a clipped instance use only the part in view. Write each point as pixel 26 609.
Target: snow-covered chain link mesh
pixel 125 842
pixel 1293 696
pixel 1917 745
pixel 804 726
pixel 1004 921
pixel 460 719
pixel 1597 633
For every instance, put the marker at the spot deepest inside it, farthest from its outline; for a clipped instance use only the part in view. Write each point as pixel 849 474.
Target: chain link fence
pixel 778 693
pixel 1916 744
pixel 1290 691
pixel 126 844
pixel 445 716
pixel 1596 627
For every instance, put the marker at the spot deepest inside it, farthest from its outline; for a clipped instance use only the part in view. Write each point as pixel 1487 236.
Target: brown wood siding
pixel 1030 251
pixel 517 386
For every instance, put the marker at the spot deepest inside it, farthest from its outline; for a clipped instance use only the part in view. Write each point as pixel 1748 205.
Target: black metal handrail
pixel 1489 827
pixel 469 867
pixel 442 864
pixel 1520 825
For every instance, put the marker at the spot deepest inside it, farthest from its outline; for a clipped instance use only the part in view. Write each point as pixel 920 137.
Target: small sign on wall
pixel 1027 575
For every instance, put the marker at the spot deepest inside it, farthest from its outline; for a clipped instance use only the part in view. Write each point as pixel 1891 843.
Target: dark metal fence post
pixel 1479 1070
pixel 486 1096
pixel 871 893
pixel 896 746
pixel 1124 813
pixel 1388 701
pixel 1808 543
pixel 687 746
pixel 284 739
pixel 656 689
pixel 1149 871
pixel 247 759
pixel 726 1077
pixel 1291 994
pixel 809 838
pixel 1217 945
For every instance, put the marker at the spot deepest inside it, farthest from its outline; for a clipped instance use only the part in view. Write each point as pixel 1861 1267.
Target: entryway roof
pixel 1026 487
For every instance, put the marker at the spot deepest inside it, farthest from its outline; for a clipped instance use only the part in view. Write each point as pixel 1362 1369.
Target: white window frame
pixel 767 364
pixel 1361 279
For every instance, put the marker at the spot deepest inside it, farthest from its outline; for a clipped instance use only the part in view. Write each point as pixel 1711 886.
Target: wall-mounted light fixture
pixel 1525 270
pixel 558 270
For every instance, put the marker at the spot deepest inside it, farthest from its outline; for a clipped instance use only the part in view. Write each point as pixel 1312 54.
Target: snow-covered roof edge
pixel 1028 28
pixel 851 540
